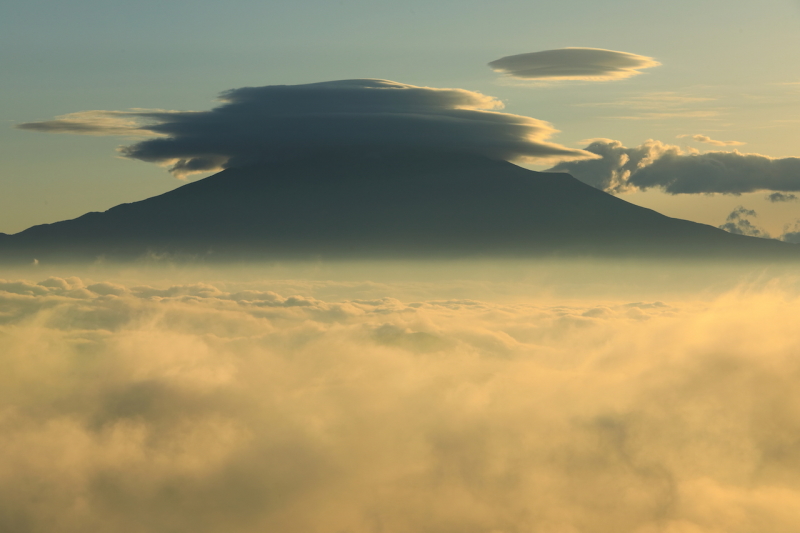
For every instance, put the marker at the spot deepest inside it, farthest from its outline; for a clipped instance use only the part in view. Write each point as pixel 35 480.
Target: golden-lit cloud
pixel 594 64
pixel 200 408
pixel 708 140
pixel 97 122
pixel 364 116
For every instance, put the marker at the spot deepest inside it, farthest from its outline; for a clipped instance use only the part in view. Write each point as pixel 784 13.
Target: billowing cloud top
pixel 239 408
pixel 367 115
pixel 573 64
pixel 656 165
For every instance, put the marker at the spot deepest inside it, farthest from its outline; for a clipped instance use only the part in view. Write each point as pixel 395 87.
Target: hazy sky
pixel 728 71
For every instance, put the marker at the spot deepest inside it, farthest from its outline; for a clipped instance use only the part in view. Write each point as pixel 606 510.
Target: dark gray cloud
pixel 791 233
pixel 573 64
pixel 283 120
pixel 738 222
pixel 781 197
pixel 654 164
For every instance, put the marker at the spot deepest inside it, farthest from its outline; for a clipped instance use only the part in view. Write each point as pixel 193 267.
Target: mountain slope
pixel 397 205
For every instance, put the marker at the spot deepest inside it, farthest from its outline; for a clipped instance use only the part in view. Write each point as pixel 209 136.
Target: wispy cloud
pixel 101 123
pixel 650 101
pixel 738 222
pixel 594 64
pixel 669 115
pixel 661 105
pixel 708 140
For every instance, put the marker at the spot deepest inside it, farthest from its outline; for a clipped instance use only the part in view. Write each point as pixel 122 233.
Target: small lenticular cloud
pixel 708 140
pixel 593 64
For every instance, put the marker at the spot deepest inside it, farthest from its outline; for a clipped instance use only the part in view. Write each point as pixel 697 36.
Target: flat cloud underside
pixel 256 123
pixel 573 64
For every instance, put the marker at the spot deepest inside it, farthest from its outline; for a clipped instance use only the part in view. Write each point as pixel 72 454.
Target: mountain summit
pixel 381 206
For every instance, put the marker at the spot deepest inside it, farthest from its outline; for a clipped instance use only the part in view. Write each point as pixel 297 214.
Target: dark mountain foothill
pixel 382 206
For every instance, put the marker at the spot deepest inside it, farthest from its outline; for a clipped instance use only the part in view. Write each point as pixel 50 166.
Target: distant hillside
pixel 392 206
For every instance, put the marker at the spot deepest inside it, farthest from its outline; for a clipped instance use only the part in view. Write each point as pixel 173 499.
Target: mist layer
pixel 200 408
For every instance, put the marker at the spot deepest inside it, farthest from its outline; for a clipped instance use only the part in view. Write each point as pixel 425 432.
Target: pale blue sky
pixel 732 62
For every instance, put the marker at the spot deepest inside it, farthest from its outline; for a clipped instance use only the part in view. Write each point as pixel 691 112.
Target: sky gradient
pixel 727 72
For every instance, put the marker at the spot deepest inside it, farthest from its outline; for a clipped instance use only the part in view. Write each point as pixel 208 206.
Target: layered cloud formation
pixel 197 408
pixel 655 165
pixel 278 121
pixel 573 64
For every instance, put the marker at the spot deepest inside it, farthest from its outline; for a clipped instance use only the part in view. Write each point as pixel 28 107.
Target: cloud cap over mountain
pixel 276 121
pixel 573 64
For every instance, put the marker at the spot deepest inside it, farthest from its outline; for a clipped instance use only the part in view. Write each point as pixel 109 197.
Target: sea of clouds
pixel 206 407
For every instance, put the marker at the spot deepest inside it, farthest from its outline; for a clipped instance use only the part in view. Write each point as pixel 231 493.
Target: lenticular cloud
pixel 201 408
pixel 595 64
pixel 363 116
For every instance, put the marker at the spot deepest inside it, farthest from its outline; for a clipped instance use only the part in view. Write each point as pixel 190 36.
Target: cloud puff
pixel 781 197
pixel 708 140
pixel 791 233
pixel 738 222
pixel 198 408
pixel 654 164
pixel 278 121
pixel 573 64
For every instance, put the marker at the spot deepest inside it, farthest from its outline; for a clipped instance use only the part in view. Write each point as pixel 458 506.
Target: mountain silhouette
pixel 392 205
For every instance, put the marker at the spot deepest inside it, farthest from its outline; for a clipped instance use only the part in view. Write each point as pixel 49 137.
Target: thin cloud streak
pixel 96 122
pixel 708 140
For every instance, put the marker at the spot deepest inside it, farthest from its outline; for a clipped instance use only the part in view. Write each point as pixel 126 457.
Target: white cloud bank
pixel 594 64
pixel 190 408
pixel 708 140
